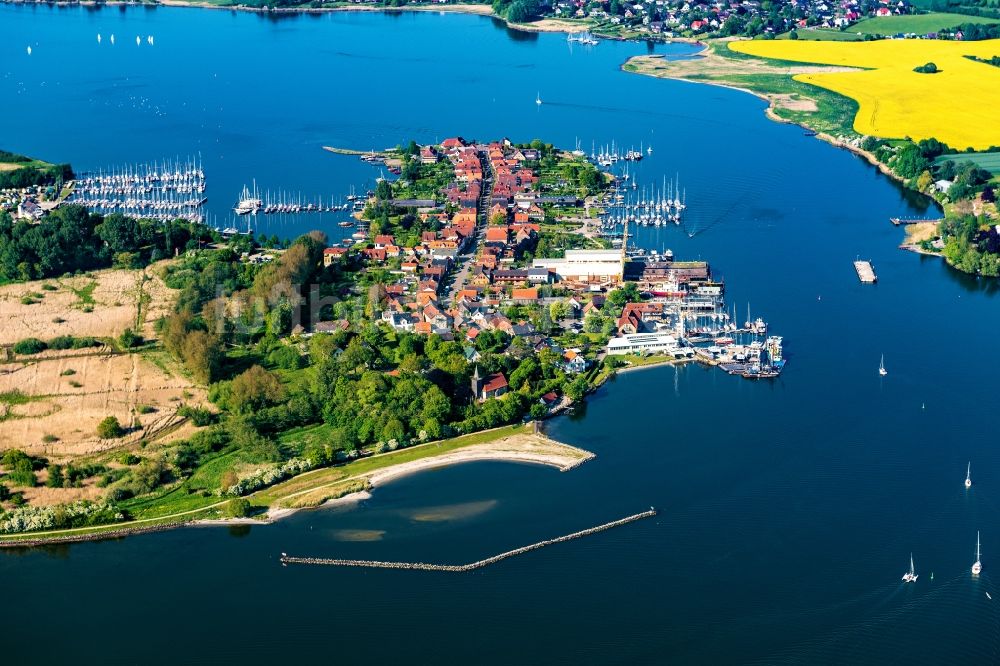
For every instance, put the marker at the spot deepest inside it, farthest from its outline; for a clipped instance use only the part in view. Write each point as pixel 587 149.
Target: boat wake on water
pixel 891 637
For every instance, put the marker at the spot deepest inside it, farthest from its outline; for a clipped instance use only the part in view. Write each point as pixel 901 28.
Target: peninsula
pixel 488 284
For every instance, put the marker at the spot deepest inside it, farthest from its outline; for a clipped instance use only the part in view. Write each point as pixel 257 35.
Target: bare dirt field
pixel 65 398
pixel 102 305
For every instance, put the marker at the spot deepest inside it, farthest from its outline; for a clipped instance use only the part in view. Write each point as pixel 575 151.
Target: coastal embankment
pixel 472 566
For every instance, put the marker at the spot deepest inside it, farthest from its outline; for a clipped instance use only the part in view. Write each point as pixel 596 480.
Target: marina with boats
pixel 163 191
pixel 642 207
pixel 687 317
pixel 252 202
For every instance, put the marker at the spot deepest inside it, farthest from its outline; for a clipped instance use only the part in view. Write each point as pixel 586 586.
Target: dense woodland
pixel 70 239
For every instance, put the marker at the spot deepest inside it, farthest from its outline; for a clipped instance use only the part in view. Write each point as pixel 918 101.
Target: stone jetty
pixel 479 564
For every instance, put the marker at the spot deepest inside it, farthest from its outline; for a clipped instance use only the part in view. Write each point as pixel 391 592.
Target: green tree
pixel 110 428
pixel 20 469
pixel 558 310
pixel 627 293
pixel 383 190
pixel 577 388
pixel 255 389
pixel 239 507
pixel 202 354
pixel 925 181
pixel 129 339
pixel 55 477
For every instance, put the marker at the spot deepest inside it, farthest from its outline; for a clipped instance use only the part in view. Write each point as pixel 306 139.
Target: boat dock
pixel 866 273
pixel 479 564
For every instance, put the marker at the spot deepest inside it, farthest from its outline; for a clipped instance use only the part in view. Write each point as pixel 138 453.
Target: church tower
pixel 477 384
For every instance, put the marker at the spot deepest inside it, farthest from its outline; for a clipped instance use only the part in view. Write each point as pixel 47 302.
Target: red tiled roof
pixel 525 294
pixel 495 382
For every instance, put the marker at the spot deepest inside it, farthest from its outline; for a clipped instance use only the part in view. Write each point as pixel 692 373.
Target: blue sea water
pixel 788 509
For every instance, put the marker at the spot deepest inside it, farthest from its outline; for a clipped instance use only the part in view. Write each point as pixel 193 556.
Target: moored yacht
pixel 248 203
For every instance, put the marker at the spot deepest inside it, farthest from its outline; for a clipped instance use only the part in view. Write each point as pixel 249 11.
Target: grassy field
pixel 988 161
pixel 958 6
pixel 920 24
pixel 960 105
pixel 824 35
pixel 11 161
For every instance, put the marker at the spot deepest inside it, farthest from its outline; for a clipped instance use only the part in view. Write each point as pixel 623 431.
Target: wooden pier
pixel 866 273
pixel 479 564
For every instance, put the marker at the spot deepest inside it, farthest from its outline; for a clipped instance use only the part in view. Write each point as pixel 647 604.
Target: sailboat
pixel 538 98
pixel 112 39
pixel 98 38
pixel 968 475
pixel 29 50
pixel 881 367
pixel 977 567
pixel 911 575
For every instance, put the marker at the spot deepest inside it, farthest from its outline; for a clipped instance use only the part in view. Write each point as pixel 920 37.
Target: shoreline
pixel 771 114
pixel 518 447
pixel 543 25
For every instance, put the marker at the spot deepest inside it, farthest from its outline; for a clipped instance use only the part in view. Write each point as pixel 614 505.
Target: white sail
pixel 977 566
pixel 911 575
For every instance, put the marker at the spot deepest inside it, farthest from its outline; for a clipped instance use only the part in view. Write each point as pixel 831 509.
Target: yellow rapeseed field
pixel 959 105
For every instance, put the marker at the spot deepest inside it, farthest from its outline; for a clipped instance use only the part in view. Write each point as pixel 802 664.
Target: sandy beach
pixel 529 448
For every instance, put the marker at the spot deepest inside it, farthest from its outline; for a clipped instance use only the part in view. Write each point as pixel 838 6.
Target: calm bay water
pixel 788 509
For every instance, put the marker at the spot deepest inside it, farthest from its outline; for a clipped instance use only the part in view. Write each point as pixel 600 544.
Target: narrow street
pixel 461 276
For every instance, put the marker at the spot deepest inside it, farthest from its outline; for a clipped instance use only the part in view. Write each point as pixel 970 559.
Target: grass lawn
pixel 635 361
pixel 920 24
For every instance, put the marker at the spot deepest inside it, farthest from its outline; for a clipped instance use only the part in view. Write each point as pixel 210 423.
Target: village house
pixel 29 210
pixel 574 361
pixel 333 254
